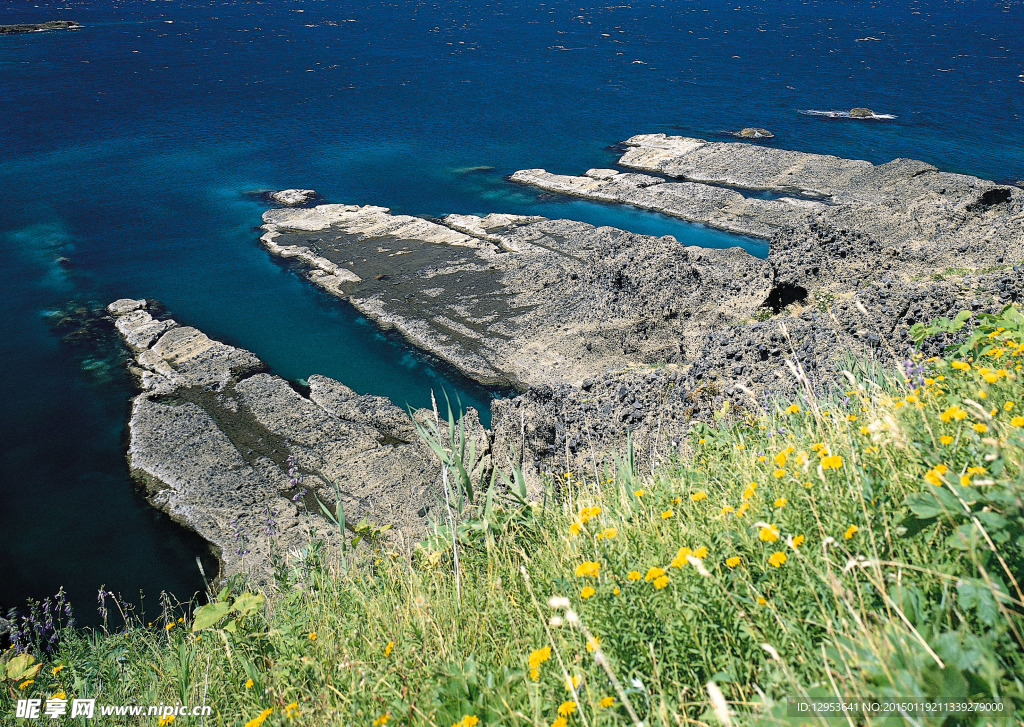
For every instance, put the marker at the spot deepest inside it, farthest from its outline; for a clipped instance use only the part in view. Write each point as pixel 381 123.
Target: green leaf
pixel 22 667
pixel 210 614
pixel 248 603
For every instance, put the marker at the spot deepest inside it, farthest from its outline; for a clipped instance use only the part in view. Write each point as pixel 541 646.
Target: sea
pixel 132 149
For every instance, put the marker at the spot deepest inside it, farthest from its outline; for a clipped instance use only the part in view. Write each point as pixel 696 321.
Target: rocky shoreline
pixel 608 335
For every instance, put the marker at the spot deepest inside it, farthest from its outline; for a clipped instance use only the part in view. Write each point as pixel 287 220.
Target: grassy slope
pixel 868 546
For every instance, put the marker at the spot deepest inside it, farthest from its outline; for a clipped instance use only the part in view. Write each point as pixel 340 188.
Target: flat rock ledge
pixel 211 433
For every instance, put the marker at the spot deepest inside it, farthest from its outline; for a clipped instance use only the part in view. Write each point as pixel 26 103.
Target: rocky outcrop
pixel 213 437
pixel 37 27
pixel 755 133
pixel 861 113
pixel 292 197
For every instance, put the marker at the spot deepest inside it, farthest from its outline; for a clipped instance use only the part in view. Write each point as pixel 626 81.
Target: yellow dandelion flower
pixel 262 717
pixel 165 720
pixel 607 702
pixel 701 552
pixel 607 533
pixel 780 459
pixel 851 531
pixel 1017 422
pixel 589 513
pixel 587 592
pixel 566 708
pixel 57 669
pixel 292 709
pixel 946 439
pixel 747 493
pixel 831 462
pixel 387 649
pixel 768 533
pixel 698 496
pixel 727 509
pixel 660 583
pixel 469 720
pixel 666 514
pixel 170 626
pixel 793 409
pixel 382 720
pixel 249 683
pixel 654 573
pixel 953 412
pixel 777 559
pixel 575 528
pixel 1008 406
pixel 933 477
pixel 680 560
pixel 539 656
pixel 633 575
pixel 639 493
pixel 743 508
pixel 677 501
pixel 560 722
pixel 961 366
pixel 761 601
pixel 779 474
pixel 616 591
pixel 534 673
pixel 733 561
pixel 59 695
pixel 593 643
pixel 798 541
pixel 976 470
pixel 979 428
pixel 589 569
pixel 312 635
pixel 781 502
pixel 965 480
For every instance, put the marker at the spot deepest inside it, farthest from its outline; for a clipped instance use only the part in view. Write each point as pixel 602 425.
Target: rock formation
pixel 37 27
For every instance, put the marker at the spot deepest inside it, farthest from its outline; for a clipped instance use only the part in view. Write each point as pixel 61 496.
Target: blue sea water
pixel 129 146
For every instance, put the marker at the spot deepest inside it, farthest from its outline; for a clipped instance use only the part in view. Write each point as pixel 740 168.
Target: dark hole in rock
pixel 783 295
pixel 992 197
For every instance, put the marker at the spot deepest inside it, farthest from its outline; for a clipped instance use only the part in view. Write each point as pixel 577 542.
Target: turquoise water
pixel 128 148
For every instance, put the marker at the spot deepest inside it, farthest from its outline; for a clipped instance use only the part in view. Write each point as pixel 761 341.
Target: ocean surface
pixel 129 149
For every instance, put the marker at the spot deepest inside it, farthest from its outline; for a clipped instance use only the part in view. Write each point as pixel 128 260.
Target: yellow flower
pixel 743 508
pixel 933 477
pixel 589 569
pixel 588 513
pixel 170 626
pixel 965 480
pixel 831 462
pixel 616 591
pixel 677 501
pixel 566 708
pixel 469 720
pixel 59 695
pixel 953 412
pixel 761 601
pixel 727 509
pixel 312 635
pixel 165 720
pixel 607 702
pixel 1008 406
pixel 793 409
pixel 781 502
pixel 779 474
pixel 946 439
pixel 593 643
pixel 798 541
pixel 666 514
pixel 680 560
pixel 539 656
pixel 292 709
pixel 777 558
pixel 575 528
pixel 747 493
pixel 733 561
pixel 382 720
pixel 57 669
pixel 769 534
pixel 534 673
pixel 560 722
pixel 633 575
pixel 388 648
pixel 639 493
pixel 607 533
pixel 587 592
pixel 976 470
pixel 698 496
pixel 979 428
pixel 1017 422
pixel 961 366
pixel 701 552
pixel 661 582
pixel 654 573
pixel 249 683
pixel 851 531
pixel 780 459
pixel 262 717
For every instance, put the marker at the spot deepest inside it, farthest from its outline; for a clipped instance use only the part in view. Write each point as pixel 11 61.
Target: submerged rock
pixel 213 436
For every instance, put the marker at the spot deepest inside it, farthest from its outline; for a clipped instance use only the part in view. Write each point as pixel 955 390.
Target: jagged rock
pixel 861 113
pixel 292 197
pixel 211 435
pixel 755 133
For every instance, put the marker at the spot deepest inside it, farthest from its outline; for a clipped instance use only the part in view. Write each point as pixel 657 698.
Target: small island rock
pixel 861 113
pixel 293 197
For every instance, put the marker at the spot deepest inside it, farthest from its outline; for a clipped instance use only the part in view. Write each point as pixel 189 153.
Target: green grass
pixel 880 556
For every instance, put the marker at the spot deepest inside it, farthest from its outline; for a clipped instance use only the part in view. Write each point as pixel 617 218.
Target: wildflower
pixel 666 514
pixel 793 409
pixel 1017 422
pixel 747 493
pixel 946 439
pixel 382 720
pixel 976 470
pixel 961 366
pixel 768 533
pixel 57 669
pixel 170 626
pixel 633 575
pixel 575 528
pixel 587 592
pixel 469 720
pixel 965 480
pixel 654 573
pixel 677 501
pixel 165 720
pixel 616 591
pixel 593 643
pixel 777 559
pixel 639 493
pixel 780 459
pixel 979 428
pixel 566 708
pixel 701 552
pixel 743 508
pixel 262 717
pixel 560 722
pixel 798 541
pixel 779 474
pixel 727 509
pixel 953 412
pixel 607 702
pixel 733 561
pixel 312 635
pixel 761 601
pixel 933 477
pixel 831 462
pixel 249 683
pixel 589 569
pixel 1008 406
pixel 781 502
pixel 698 496
pixel 680 560
pixel 661 582
pixel 292 709
pixel 607 533
pixel 588 513
pixel 388 648
pixel 851 531
pixel 60 695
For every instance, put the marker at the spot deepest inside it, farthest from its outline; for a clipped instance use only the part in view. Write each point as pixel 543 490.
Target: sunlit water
pixel 128 148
